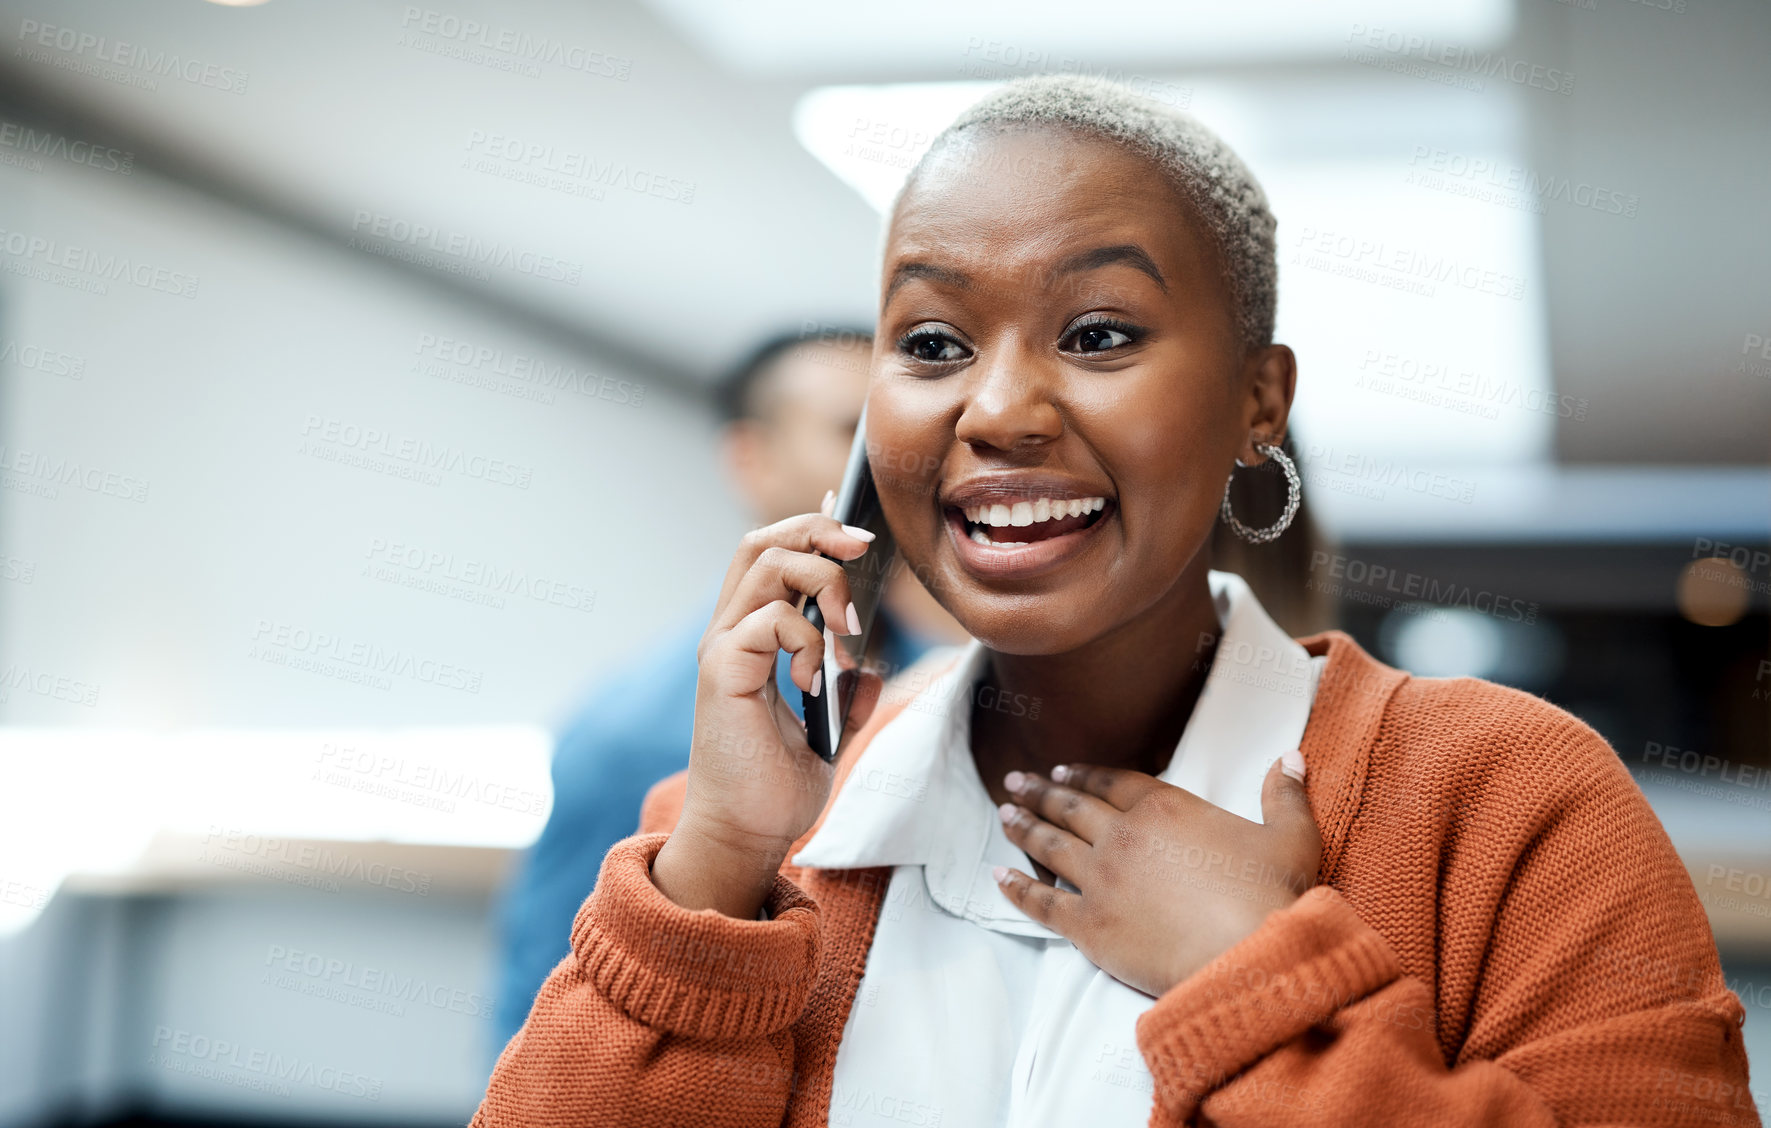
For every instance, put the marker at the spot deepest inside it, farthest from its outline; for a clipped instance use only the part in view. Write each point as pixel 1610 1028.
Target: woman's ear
pixel 1270 376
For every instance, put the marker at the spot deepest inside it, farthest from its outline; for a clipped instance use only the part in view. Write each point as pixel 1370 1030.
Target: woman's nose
pixel 1009 402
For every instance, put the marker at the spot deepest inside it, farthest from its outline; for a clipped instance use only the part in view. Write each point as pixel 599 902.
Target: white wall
pixel 151 611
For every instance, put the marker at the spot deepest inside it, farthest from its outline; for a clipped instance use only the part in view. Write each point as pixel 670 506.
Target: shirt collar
pixel 914 796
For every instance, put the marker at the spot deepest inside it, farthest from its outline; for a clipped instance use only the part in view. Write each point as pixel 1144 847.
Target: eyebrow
pixel 942 275
pixel 1125 253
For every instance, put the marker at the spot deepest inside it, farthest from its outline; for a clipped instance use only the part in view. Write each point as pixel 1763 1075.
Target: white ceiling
pixel 349 107
pixel 943 41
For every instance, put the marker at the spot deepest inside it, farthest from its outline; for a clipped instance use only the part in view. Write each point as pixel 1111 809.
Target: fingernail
pixel 824 506
pixel 817 682
pixel 1292 764
pixel 1006 812
pixel 1014 781
pixel 858 534
pixel 1000 873
pixel 854 621
pixel 1061 773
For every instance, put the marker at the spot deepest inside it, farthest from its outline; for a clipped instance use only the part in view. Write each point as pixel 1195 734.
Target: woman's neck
pixel 1123 700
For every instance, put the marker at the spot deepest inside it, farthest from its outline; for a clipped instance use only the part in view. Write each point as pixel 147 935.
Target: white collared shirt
pixel 969 1013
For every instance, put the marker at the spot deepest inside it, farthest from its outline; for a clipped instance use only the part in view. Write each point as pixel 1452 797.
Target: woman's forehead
pixel 1027 199
pixel 1030 164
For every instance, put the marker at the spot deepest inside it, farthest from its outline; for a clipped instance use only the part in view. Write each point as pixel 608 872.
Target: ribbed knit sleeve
pixel 662 1015
pixel 1296 970
pixel 697 974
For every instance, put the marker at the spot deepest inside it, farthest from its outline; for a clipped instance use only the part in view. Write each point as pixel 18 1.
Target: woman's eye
pixel 933 348
pixel 1100 338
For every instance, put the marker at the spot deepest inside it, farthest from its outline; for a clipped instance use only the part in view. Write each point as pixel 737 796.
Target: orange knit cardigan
pixel 1492 880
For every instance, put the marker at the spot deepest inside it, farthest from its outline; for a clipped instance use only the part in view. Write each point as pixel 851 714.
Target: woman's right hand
pixel 755 785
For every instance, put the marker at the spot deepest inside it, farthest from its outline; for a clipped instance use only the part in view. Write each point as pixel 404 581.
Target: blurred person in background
pixel 790 409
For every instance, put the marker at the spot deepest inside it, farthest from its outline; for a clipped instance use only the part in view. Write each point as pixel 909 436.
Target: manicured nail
pixel 1000 873
pixel 854 621
pixel 858 534
pixel 1006 812
pixel 817 682
pixel 824 506
pixel 1014 781
pixel 1292 764
pixel 1061 773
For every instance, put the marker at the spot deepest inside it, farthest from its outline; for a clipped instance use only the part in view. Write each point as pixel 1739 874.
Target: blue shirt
pixel 634 731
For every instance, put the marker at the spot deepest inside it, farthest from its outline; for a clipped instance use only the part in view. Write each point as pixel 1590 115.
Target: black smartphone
pixel 857 504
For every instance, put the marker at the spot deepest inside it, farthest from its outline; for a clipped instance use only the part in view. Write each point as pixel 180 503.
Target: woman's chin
pixel 1028 625
pixel 1064 615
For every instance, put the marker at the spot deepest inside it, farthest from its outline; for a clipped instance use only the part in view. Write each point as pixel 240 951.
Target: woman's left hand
pixel 1168 881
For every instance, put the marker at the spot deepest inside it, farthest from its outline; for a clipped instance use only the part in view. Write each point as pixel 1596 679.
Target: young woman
pixel 1078 873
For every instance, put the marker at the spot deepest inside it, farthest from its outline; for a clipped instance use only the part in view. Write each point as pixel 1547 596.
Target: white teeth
pixel 1023 513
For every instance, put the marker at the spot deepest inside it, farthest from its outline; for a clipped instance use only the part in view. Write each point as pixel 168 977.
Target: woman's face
pixel 1055 335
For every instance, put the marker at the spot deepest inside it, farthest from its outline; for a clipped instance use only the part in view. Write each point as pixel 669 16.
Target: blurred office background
pixel 354 360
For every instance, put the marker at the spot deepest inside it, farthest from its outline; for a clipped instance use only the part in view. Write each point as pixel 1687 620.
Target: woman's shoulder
pixel 1486 715
pixel 1467 731
pixel 1469 779
pixel 1509 734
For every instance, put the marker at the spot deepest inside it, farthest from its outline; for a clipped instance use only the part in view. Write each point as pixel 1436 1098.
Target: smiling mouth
pixel 1022 524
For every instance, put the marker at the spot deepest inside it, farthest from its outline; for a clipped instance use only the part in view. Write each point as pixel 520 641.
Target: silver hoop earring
pixel 1294 488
